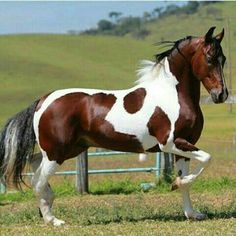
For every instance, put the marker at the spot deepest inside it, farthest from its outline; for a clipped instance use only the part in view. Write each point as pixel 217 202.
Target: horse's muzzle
pixel 219 96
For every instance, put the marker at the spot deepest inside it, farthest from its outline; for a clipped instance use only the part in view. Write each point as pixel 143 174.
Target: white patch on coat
pixel 160 86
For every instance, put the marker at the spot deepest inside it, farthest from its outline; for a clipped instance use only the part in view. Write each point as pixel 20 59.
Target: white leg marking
pixel 42 189
pixel 199 155
pixel 182 167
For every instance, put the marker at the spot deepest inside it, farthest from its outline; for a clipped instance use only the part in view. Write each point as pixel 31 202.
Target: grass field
pixel 124 214
pixel 157 212
pixel 117 204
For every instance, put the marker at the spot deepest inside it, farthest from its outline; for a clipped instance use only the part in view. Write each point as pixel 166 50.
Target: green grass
pixel 138 213
pixel 127 186
pixel 33 65
pixel 122 207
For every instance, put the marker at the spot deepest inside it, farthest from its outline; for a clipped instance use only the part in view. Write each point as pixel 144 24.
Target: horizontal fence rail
pixel 105 171
pixel 82 171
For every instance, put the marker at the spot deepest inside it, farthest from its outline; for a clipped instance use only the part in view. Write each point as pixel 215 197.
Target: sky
pixel 19 17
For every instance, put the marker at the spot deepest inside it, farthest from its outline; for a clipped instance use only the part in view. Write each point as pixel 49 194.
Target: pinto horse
pixel 160 113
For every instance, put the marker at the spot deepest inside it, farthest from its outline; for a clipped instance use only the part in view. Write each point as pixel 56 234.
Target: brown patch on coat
pixel 159 125
pixel 76 121
pixel 184 145
pixel 133 101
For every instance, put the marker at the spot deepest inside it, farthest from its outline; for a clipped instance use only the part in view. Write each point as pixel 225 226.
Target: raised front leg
pixel 183 148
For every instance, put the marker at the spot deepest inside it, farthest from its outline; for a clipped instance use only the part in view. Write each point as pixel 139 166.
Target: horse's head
pixel 207 65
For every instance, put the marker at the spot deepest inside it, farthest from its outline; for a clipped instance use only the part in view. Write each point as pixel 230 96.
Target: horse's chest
pixel 189 123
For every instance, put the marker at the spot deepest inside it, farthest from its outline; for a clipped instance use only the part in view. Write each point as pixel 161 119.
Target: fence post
pixel 82 173
pixel 168 166
pixel 158 164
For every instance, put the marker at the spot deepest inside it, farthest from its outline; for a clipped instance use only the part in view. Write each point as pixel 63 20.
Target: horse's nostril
pixel 221 96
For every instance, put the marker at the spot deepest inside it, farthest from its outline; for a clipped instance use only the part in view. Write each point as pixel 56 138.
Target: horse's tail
pixel 17 141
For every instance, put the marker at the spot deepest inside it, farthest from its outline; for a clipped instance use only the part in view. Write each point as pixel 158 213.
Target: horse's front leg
pixel 182 168
pixel 185 149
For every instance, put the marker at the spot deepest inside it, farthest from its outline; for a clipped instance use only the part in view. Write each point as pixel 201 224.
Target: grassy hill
pixel 33 65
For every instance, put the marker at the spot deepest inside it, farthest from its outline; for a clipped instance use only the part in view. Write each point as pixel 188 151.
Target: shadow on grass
pixel 221 214
pixel 4 203
pixel 137 211
pixel 158 218
pixel 117 213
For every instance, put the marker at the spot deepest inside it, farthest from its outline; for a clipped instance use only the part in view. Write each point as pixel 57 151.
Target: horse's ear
pixel 220 36
pixel 208 36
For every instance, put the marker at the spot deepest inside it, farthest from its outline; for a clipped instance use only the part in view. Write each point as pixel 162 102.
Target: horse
pixel 161 112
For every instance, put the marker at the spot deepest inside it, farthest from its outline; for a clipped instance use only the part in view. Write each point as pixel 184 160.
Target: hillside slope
pixel 33 65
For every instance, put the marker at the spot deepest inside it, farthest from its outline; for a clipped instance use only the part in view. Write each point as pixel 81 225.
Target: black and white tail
pixel 17 141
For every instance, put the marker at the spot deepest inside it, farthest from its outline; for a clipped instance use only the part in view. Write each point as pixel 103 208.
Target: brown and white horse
pixel 160 113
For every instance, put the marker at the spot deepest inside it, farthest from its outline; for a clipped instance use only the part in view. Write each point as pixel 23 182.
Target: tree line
pixel 119 25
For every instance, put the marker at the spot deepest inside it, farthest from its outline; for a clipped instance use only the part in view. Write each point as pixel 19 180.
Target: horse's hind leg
pixel 43 191
pixel 35 163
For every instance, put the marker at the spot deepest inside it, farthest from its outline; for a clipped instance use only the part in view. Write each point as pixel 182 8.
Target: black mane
pixel 174 44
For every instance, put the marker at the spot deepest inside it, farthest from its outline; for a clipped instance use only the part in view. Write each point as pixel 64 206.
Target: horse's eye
pixel 209 60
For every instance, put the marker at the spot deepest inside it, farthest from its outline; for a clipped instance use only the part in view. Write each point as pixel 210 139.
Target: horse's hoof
pixel 176 184
pixel 196 216
pixel 57 222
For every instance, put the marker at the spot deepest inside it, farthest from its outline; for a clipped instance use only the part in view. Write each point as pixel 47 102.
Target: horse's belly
pixel 133 132
pixel 138 141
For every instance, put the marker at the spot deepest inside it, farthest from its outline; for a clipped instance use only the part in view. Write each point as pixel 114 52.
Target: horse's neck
pixel 188 86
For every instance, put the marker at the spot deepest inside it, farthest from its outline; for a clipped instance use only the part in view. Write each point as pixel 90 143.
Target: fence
pixel 82 171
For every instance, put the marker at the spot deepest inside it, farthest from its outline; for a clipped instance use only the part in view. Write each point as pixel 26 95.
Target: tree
pixel 115 16
pixel 127 25
pixel 157 11
pixel 192 7
pixel 146 16
pixel 171 9
pixel 104 25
